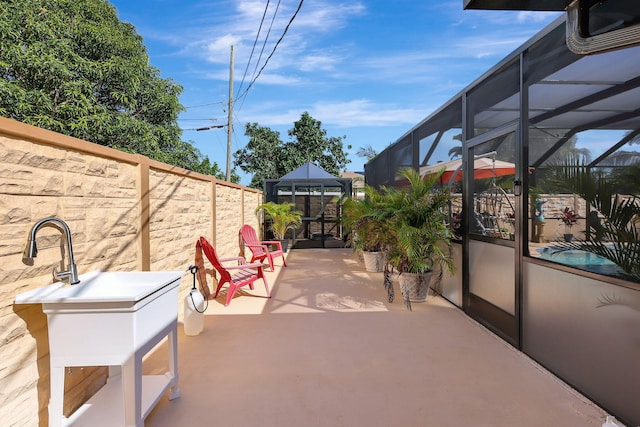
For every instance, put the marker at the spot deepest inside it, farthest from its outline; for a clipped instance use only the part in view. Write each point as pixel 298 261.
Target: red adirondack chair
pixel 237 276
pixel 260 249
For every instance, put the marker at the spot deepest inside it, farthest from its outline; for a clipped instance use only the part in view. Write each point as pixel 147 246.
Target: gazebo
pixel 315 192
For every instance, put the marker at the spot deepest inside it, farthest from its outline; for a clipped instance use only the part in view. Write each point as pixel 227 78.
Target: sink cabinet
pixel 111 319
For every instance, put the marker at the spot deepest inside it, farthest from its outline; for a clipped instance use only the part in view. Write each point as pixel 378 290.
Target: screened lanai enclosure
pixel 547 252
pixel 317 194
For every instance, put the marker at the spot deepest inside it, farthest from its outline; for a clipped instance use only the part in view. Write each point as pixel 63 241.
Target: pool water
pixel 580 259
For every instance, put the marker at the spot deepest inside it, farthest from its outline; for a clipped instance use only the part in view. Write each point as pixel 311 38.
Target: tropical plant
pixel 368 152
pixel 408 224
pixel 281 217
pixel 417 216
pixel 613 228
pixel 569 218
pixel 367 229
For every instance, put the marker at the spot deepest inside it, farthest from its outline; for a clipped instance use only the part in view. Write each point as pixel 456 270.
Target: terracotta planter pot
pixel 415 287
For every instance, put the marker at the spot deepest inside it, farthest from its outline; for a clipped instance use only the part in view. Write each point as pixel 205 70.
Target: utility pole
pixel 230 118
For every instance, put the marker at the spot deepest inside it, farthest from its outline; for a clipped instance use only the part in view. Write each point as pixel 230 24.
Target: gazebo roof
pixel 310 174
pixel 306 176
pixel 308 171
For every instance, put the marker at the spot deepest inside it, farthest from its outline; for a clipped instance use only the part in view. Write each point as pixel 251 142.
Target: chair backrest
pixel 212 256
pixel 201 272
pixel 250 237
pixel 249 234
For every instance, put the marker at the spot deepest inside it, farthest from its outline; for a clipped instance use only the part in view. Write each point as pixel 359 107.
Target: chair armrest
pixel 245 266
pixel 239 259
pixel 278 243
pixel 263 247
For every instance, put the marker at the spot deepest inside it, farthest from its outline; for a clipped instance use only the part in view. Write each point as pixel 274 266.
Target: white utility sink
pixel 111 319
pixel 128 287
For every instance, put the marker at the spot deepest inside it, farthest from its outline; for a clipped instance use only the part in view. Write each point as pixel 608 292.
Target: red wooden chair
pixel 236 276
pixel 260 249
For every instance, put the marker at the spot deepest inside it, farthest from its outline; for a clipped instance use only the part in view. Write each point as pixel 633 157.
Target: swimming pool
pixel 580 259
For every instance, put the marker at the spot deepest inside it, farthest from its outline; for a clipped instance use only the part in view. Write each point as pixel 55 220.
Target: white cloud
pixel 348 114
pixel 317 62
pixel 251 8
pixel 212 42
pixel 219 50
pixel 533 16
pixel 268 78
pixel 487 45
pixel 324 16
pixel 363 112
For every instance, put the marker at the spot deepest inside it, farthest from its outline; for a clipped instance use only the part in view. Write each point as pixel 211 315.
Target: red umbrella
pixel 484 168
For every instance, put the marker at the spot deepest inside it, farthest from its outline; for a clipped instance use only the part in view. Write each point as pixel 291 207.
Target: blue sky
pixel 368 70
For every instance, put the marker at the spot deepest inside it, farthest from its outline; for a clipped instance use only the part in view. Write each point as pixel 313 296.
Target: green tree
pixel 261 156
pixel 311 143
pixel 368 152
pixel 267 157
pixel 73 67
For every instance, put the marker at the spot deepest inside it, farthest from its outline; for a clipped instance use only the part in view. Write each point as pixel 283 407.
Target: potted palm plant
pixel 420 233
pixel 282 217
pixel 368 232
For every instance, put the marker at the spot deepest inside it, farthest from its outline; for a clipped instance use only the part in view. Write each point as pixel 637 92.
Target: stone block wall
pixel 181 211
pixel 125 213
pixel 552 211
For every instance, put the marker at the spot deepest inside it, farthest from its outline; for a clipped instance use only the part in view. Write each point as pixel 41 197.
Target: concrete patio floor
pixel 328 350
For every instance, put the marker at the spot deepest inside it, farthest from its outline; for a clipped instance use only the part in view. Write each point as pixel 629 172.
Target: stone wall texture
pixel 125 213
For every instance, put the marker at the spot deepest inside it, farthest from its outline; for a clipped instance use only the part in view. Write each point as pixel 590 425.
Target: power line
pixel 197 120
pixel 205 105
pixel 206 128
pixel 253 48
pixel 266 39
pixel 273 18
pixel 272 52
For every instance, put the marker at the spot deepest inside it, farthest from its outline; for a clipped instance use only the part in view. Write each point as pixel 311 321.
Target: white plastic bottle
pixel 612 422
pixel 193 313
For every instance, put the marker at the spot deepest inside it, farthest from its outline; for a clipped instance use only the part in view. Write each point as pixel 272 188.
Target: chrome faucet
pixel 31 250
